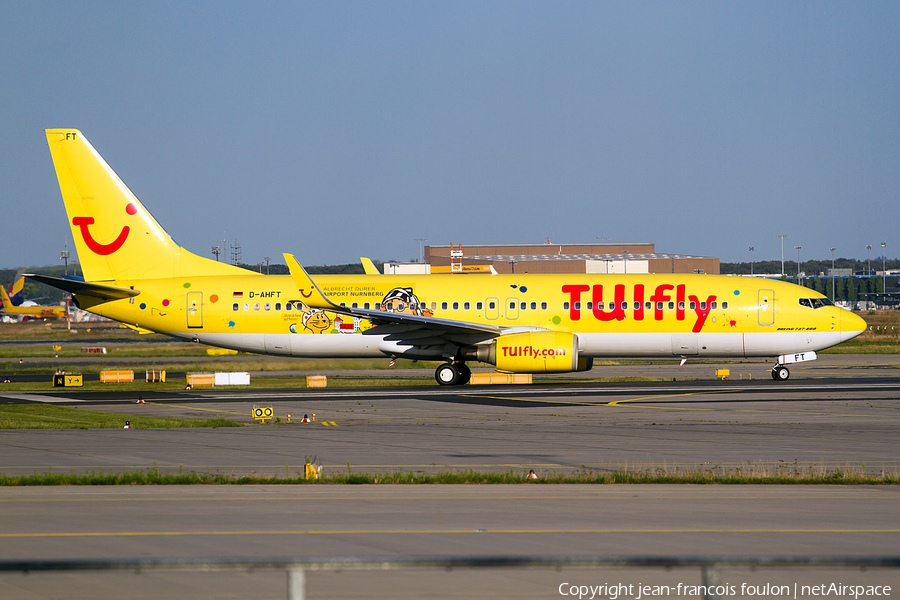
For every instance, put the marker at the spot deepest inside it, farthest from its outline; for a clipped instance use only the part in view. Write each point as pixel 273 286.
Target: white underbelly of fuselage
pixel 605 345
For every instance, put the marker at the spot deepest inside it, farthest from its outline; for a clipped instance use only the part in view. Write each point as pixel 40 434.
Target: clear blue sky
pixel 335 130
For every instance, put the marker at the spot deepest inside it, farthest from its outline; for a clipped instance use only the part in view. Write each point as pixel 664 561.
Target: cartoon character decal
pixel 316 321
pixel 402 300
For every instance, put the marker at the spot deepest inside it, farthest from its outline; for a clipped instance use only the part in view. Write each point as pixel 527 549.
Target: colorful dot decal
pixel 143 306
pixel 214 298
pixel 737 292
pixel 187 285
pixel 165 302
pixel 131 209
pixel 556 320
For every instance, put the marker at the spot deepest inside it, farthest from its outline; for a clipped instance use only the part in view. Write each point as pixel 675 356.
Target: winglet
pixel 369 266
pixel 312 295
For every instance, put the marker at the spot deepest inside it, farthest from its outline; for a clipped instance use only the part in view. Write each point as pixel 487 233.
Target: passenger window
pixel 578 306
pixel 478 306
pixel 288 306
pixel 624 306
pixel 724 306
pixel 659 306
pixel 703 306
pixel 456 306
pixel 268 306
pixel 713 305
pixel 693 305
pixel 278 306
pixel 443 306
pixel 534 306
pixel 366 306
pixel 681 306
pixel 466 306
pixel 648 305
pixel 246 306
pixel 590 306
pixel 512 305
pixel 565 306
pixel 543 306
pixel 493 305
pixel 601 306
pixel 256 306
pixel 637 306
pixel 354 305
pixel 234 306
pixel 378 306
pixel 671 305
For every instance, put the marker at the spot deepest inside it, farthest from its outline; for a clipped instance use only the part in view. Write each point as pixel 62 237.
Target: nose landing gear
pixel 453 373
pixel 780 373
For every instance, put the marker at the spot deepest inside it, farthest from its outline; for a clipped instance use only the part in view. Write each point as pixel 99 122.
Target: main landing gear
pixel 453 373
pixel 780 373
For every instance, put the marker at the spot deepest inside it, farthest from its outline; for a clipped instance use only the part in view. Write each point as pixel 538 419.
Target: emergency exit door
pixel 195 310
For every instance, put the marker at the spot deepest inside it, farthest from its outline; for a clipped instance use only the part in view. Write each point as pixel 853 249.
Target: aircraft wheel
pixel 465 374
pixel 780 373
pixel 447 374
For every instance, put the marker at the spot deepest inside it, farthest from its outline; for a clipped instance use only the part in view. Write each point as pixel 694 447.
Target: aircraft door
pixel 493 308
pixel 512 309
pixel 766 307
pixel 195 310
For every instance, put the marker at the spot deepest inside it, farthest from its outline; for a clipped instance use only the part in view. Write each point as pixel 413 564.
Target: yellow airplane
pixel 135 273
pixel 30 312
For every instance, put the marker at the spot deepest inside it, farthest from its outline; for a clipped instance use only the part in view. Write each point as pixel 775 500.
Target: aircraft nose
pixel 851 325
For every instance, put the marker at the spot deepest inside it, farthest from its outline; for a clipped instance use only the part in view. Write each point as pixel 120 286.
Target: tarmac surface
pixel 841 412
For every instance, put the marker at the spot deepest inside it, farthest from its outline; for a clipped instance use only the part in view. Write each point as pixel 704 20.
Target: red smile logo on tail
pixel 95 246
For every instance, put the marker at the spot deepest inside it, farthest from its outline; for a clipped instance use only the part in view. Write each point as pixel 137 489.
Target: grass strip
pixel 49 416
pixel 154 477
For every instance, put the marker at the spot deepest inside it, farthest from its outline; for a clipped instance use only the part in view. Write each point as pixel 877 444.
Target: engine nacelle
pixel 534 352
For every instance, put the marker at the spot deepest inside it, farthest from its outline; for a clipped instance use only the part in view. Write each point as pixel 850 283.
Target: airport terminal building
pixel 570 258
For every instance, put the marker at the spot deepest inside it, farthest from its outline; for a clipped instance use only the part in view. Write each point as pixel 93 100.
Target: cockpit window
pixel 815 302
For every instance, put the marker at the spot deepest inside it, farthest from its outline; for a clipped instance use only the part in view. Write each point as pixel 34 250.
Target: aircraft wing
pixel 77 287
pixel 417 330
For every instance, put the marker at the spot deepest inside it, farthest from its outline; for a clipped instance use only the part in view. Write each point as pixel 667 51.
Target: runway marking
pixel 38 398
pixel 618 402
pixel 434 531
pixel 329 423
pixel 531 400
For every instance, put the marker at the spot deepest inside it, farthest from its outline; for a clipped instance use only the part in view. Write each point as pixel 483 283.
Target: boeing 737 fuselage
pixel 136 274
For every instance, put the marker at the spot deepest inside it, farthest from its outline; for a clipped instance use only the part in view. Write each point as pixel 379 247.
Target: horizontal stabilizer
pixel 83 288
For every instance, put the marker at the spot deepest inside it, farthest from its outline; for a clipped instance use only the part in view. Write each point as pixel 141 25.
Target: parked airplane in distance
pixel 135 273
pixel 30 312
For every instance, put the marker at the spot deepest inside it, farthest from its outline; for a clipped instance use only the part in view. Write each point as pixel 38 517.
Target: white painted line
pixel 37 398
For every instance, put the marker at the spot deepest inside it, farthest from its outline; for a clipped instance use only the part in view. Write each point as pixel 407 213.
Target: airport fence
pixel 296 568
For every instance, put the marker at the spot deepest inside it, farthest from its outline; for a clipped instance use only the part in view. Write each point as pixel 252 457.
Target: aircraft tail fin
pixel 116 238
pixel 369 267
pixel 15 290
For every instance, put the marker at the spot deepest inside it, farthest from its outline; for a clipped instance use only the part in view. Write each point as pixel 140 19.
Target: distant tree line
pixel 810 267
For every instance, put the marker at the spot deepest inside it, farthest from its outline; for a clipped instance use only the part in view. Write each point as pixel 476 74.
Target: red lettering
pixel 639 302
pixel 658 297
pixel 702 313
pixel 617 313
pixel 574 292
pixel 679 298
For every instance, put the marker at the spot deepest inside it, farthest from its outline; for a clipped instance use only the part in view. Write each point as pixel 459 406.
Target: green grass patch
pixel 44 416
pixel 624 476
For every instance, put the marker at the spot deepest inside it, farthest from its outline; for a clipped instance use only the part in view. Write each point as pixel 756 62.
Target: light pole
pixel 832 273
pixel 215 250
pixel 751 261
pixel 625 253
pixel 868 260
pixel 883 272
pixel 782 236
pixel 267 259
pixel 421 249
pixel 798 248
